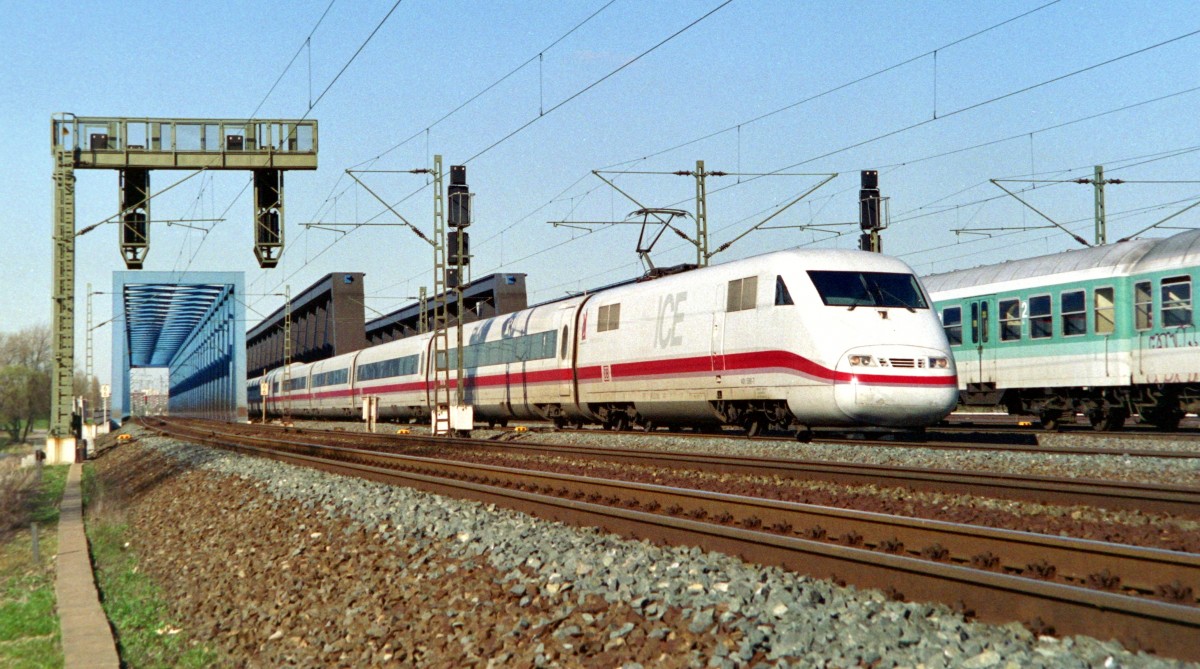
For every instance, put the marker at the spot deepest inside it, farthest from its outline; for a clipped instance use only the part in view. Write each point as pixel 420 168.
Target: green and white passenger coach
pixel 1108 331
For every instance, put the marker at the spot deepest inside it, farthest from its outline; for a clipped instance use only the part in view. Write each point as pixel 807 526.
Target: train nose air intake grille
pixel 900 362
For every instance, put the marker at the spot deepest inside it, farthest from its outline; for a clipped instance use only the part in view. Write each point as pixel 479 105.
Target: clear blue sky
pixel 219 59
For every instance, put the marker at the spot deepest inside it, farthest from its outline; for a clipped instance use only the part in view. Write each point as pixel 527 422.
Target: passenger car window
pixel 952 324
pixel 1176 302
pixel 1143 306
pixel 742 294
pixel 1073 312
pixel 610 318
pixel 1105 311
pixel 1041 322
pixel 1010 320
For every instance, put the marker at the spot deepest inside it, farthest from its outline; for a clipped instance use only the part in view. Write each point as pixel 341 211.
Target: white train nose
pixel 896 386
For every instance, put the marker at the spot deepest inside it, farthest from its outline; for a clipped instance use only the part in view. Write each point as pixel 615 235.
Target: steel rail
pixel 993 595
pixel 885 442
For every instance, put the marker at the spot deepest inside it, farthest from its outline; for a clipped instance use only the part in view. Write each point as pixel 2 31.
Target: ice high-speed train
pixel 797 338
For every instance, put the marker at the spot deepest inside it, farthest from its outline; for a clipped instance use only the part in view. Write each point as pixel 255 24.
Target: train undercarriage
pixel 754 416
pixel 1160 405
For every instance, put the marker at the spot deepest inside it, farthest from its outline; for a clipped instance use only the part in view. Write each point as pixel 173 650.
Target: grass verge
pixel 29 632
pixel 147 634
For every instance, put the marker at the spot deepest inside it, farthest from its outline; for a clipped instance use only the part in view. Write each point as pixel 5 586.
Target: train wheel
pixel 804 435
pixel 755 426
pixel 1050 419
pixel 1098 418
pixel 1115 420
pixel 620 422
pixel 560 422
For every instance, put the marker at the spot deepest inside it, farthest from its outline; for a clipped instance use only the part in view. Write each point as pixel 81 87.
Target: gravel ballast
pixel 279 565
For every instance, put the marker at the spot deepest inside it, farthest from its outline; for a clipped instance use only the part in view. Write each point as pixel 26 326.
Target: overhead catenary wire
pixel 970 107
pixel 331 198
pixel 599 81
pixel 944 115
pixel 837 88
pixel 960 110
pixel 585 89
pixel 306 44
pixel 760 117
pixel 311 106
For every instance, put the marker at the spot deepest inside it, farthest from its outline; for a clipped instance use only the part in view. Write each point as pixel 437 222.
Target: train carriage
pixel 329 391
pixel 1107 331
pixel 393 372
pixel 520 365
pixel 288 390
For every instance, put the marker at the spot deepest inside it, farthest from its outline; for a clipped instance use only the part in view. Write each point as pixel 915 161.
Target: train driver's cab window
pixel 782 296
pixel 1041 321
pixel 610 318
pixel 742 294
pixel 1105 311
pixel 1177 302
pixel 868 289
pixel 1143 306
pixel 1073 313
pixel 952 324
pixel 1010 320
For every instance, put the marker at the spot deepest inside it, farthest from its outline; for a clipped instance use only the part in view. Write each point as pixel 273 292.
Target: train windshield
pixel 868 289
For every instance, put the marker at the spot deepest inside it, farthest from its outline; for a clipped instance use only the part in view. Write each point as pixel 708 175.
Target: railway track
pixel 1143 597
pixel 1157 498
pixel 1189 429
pixel 932 441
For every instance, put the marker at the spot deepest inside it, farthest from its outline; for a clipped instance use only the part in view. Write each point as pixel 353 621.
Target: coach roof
pixel 1118 257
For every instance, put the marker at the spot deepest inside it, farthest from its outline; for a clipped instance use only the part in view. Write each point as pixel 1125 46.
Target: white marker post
pixel 105 393
pixel 370 411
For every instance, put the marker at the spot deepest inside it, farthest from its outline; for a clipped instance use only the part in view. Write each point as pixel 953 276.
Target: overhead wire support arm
pixel 115 217
pixel 1155 225
pixel 415 229
pixel 700 241
pixel 1056 224
pixel 617 188
pixel 726 245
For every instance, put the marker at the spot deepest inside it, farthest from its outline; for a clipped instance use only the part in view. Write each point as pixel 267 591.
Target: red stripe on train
pixel 760 362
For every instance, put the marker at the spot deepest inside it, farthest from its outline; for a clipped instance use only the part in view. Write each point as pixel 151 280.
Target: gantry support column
pixel 61 441
pixel 135 146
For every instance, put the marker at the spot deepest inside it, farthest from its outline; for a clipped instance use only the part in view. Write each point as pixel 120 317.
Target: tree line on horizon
pixel 26 366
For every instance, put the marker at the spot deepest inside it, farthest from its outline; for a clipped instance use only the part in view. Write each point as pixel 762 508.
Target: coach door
pixel 982 314
pixel 566 322
pixel 717 348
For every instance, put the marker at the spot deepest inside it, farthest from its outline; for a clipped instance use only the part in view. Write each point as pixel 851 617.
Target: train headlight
pixel 939 363
pixel 861 361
